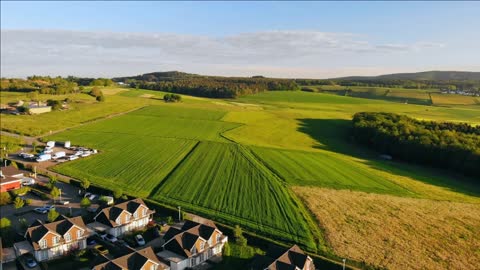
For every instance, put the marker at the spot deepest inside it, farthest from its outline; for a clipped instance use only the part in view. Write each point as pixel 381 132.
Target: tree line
pixel 51 85
pixel 454 146
pixel 453 85
pixel 207 86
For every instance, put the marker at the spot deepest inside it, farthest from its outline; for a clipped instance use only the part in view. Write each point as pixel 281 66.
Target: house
pixel 11 178
pixel 58 238
pixel 39 109
pixel 192 245
pixel 143 259
pixel 283 258
pixel 123 217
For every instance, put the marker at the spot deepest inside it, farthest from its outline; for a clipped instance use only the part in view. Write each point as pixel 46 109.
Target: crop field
pixel 324 170
pixel 446 99
pixel 226 180
pixel 397 233
pixel 137 168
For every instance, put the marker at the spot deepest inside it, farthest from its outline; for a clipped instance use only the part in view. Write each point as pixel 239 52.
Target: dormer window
pixel 79 234
pixel 202 246
pixel 55 240
pixel 68 237
pixel 43 243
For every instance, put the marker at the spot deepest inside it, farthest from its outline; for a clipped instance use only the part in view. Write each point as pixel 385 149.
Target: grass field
pixel 448 99
pixel 237 161
pixel 136 168
pixel 227 181
pixel 397 233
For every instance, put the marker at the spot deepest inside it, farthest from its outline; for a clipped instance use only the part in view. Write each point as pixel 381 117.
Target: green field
pixel 324 170
pixel 240 161
pixel 226 181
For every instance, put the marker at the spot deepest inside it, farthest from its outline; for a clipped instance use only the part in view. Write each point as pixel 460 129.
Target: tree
pixel 85 184
pixel 117 193
pixel 85 202
pixel 52 182
pixel 55 193
pixel 239 238
pixel 226 250
pixel 5 198
pixel 5 223
pixel 52 215
pixel 18 203
pixel 169 220
pixel 100 98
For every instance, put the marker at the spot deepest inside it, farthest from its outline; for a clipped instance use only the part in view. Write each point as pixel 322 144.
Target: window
pixel 55 240
pixel 127 218
pixel 218 237
pixel 144 212
pixel 194 250
pixel 43 243
pixel 68 237
pixel 118 220
pixel 135 215
pixel 153 267
pixel 79 234
pixel 202 246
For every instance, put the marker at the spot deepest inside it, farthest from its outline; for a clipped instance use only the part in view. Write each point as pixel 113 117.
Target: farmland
pixel 397 233
pixel 226 181
pixel 261 160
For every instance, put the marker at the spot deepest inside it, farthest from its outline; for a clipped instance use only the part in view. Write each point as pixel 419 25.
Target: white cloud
pixel 62 52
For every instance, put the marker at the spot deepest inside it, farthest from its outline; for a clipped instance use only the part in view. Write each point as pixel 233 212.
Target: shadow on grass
pixel 334 135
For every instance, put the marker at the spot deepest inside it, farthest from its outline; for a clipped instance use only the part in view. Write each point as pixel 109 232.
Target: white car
pixel 27 181
pixel 139 239
pixel 109 237
pixel 72 157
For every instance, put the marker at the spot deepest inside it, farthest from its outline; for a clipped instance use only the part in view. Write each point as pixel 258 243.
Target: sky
pixel 275 39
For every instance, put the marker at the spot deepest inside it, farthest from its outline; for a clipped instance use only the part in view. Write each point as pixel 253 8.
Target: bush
pixel 100 98
pixel 20 191
pixel 172 98
pixel 52 215
pixel 117 193
pixel 5 198
pixel 85 202
pixel 18 203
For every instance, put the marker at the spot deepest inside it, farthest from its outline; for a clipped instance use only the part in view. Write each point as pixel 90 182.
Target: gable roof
pixel 279 258
pixel 109 215
pixel 134 260
pixel 11 171
pixel 181 241
pixel 38 230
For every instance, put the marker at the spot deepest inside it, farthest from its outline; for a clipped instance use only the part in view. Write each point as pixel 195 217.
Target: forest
pixel 207 86
pixel 453 146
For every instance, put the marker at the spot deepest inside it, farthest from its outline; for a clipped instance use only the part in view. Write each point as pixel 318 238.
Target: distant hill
pixel 421 76
pixel 159 76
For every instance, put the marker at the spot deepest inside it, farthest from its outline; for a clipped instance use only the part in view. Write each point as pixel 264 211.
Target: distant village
pixel 467 92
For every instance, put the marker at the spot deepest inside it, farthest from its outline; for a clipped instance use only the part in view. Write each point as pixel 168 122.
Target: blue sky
pixel 283 39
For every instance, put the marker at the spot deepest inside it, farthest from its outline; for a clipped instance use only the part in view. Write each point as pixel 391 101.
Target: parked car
pixel 91 241
pixel 30 261
pixel 100 249
pixel 139 239
pixel 40 210
pixel 63 202
pixel 110 238
pixel 27 181
pixel 49 207
pixel 73 157
pixel 92 197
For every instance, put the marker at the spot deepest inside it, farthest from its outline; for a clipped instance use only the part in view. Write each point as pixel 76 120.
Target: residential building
pixel 58 238
pixel 283 258
pixel 11 178
pixel 123 217
pixel 192 244
pixel 143 259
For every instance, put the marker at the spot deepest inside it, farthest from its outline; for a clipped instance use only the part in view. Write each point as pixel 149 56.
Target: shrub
pixel 18 203
pixel 52 215
pixel 20 191
pixel 5 198
pixel 85 202
pixel 100 98
pixel 117 193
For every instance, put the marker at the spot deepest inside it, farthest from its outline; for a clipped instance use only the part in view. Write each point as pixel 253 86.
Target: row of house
pixel 185 247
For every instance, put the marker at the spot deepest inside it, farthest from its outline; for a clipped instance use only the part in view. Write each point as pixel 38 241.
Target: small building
pixel 58 238
pixel 11 178
pixel 283 258
pixel 192 245
pixel 123 217
pixel 39 109
pixel 143 259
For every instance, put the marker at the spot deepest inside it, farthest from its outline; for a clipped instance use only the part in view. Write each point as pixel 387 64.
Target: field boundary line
pixel 165 179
